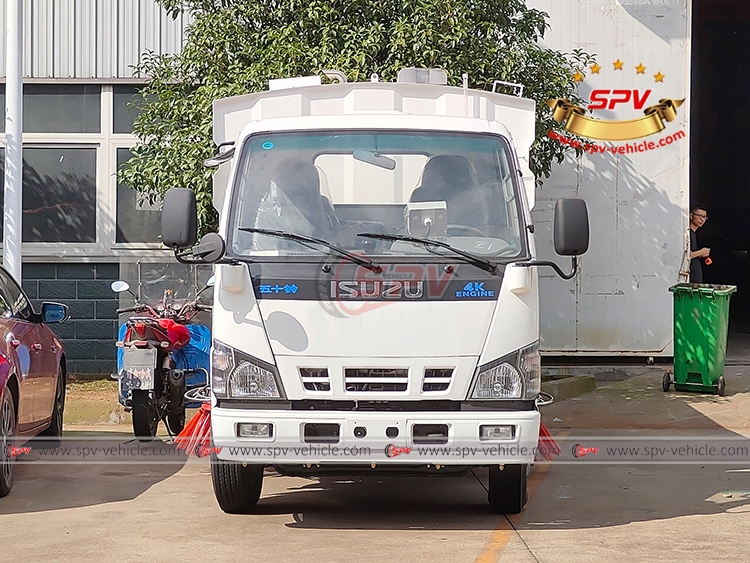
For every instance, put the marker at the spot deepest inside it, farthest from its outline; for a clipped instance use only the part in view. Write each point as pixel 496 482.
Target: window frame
pixel 106 143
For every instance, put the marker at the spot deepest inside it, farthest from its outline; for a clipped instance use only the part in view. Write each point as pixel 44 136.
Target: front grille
pixel 385 380
pixel 315 379
pixel 436 379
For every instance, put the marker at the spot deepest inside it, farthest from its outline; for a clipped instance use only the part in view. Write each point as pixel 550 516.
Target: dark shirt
pixel 696 267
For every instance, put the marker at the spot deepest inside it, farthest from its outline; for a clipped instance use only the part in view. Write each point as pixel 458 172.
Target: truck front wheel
pixel 507 494
pixel 236 485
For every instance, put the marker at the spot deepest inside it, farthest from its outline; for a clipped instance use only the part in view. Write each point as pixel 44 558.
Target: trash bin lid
pixel 704 288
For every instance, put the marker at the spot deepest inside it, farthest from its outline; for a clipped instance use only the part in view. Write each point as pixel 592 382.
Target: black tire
pixel 721 389
pixel 7 441
pixel 666 381
pixel 53 434
pixel 176 421
pixel 508 492
pixel 175 416
pixel 236 485
pixel 145 415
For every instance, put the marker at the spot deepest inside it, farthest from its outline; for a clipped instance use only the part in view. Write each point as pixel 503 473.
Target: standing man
pixel 698 216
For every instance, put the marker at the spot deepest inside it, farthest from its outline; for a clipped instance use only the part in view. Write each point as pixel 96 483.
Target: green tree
pixel 235 46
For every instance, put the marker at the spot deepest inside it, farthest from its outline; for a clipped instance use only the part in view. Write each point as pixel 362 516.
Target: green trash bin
pixel 701 321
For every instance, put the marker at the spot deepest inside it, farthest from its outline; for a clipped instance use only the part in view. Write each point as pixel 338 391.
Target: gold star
pixel 640 68
pixel 659 77
pixel 618 64
pixel 595 68
pixel 578 77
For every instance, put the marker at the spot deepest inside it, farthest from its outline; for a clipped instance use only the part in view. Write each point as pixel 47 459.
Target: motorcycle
pixel 161 357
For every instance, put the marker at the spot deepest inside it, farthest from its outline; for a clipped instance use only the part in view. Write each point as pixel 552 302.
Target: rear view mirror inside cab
pixel 375 159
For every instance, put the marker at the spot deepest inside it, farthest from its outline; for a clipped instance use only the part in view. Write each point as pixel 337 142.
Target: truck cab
pixel 376 302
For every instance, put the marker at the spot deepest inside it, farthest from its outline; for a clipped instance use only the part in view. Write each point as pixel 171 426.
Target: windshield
pixel 153 281
pixel 457 188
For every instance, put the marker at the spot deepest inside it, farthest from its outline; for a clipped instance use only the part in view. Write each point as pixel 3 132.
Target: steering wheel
pixel 465 229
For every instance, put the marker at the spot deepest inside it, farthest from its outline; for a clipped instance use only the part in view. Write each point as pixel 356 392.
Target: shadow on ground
pixel 75 475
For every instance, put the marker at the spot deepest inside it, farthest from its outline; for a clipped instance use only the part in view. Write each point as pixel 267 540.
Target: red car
pixel 32 374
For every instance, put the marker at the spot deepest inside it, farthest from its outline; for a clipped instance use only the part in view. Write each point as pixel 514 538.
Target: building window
pixel 60 108
pixel 138 220
pixel 124 113
pixel 59 194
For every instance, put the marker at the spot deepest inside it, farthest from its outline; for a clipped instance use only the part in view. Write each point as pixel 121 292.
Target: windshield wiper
pixel 470 258
pixel 364 262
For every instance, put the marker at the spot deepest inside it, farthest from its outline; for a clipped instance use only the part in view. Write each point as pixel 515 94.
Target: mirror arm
pixel 186 256
pixel 560 273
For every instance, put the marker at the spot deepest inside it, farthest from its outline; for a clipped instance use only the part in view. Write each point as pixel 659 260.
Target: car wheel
pixel 55 429
pixel 237 485
pixel 145 415
pixel 7 441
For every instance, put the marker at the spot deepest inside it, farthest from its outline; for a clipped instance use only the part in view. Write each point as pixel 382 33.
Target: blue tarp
pixel 197 354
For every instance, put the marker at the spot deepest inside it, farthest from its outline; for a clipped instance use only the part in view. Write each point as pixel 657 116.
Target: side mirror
pixel 571 230
pixel 211 248
pixel 179 218
pixel 55 313
pixel 119 286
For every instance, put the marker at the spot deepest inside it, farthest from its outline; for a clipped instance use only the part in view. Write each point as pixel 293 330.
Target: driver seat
pixel 300 182
pixel 449 178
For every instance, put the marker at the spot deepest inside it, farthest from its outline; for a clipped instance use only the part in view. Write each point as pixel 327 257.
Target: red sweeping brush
pixel 547 446
pixel 195 438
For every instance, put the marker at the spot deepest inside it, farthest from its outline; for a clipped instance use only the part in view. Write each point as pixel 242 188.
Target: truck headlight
pixel 236 375
pixel 515 376
pixel 222 363
pixel 252 378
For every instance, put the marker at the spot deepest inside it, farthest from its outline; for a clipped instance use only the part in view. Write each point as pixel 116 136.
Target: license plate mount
pixel 138 368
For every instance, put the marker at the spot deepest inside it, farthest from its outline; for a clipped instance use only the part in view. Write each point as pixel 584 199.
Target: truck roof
pixel 469 110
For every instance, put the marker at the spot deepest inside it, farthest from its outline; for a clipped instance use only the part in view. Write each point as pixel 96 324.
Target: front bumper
pixel 390 437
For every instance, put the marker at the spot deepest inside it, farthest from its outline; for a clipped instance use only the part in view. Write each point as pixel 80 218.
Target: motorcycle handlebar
pixel 187 308
pixel 135 309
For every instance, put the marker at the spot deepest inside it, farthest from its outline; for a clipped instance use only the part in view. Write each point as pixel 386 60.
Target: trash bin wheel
pixel 666 381
pixel 722 386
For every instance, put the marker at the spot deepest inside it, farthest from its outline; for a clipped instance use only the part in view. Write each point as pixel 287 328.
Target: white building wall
pixel 92 39
pixel 638 203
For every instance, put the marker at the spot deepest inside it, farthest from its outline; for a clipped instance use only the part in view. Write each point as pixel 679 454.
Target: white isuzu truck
pixel 376 300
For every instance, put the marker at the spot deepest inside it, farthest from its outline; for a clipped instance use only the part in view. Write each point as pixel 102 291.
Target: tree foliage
pixel 235 46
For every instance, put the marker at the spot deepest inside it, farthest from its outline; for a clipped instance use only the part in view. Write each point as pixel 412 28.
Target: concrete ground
pixel 577 511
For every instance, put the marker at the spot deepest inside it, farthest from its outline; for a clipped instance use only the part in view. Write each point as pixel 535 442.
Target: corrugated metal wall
pixel 95 39
pixel 620 301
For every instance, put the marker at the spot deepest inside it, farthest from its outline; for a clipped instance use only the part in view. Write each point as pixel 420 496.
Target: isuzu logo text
pixel 377 289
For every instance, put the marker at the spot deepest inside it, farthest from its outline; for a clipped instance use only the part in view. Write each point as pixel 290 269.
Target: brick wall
pixel 89 336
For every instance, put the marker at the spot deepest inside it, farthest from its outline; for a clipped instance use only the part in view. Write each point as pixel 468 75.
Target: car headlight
pixel 515 376
pixel 236 375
